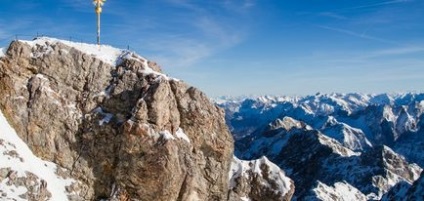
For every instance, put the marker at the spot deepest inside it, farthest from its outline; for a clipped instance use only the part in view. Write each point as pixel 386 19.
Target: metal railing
pixel 4 41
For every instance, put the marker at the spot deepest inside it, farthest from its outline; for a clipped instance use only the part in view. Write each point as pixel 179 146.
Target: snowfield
pixel 16 155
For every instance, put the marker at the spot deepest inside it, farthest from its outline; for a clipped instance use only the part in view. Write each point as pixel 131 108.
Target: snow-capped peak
pixel 388 114
pixel 336 146
pixel 105 53
pixel 287 123
pixel 350 137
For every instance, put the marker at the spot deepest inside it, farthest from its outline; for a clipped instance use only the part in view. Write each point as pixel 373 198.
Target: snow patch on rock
pixel 107 117
pixel 337 147
pixel 105 53
pixel 350 137
pixel 180 134
pixel 167 135
pixel 341 191
pixel 16 157
pixel 2 52
pixel 257 168
pixel 147 69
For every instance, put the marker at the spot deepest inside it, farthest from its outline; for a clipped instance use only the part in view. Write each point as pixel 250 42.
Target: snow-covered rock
pixel 105 53
pixel 406 191
pixel 416 192
pixel 24 176
pixel 2 51
pixel 259 180
pixel 341 191
pixel 352 138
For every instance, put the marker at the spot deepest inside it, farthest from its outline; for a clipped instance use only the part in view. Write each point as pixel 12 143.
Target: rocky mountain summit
pixel 112 126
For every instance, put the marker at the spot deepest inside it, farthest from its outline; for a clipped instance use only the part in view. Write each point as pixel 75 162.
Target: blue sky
pixel 244 47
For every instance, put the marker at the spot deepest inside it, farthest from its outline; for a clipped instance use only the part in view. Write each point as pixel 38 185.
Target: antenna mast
pixel 98 10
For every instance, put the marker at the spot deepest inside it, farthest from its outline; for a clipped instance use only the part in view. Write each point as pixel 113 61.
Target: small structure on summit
pixel 98 10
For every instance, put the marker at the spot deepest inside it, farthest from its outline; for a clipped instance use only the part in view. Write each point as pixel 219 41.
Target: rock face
pixel 416 192
pixel 259 180
pixel 117 124
pixel 24 176
pixel 406 191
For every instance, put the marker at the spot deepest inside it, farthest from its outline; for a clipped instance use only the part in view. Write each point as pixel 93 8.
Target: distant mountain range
pixel 336 146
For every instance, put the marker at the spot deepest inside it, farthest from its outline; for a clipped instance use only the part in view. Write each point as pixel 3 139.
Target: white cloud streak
pixel 205 34
pixel 380 4
pixel 333 15
pixel 359 35
pixel 177 51
pixel 396 51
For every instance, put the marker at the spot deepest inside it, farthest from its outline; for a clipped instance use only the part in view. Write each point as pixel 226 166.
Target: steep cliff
pixel 114 122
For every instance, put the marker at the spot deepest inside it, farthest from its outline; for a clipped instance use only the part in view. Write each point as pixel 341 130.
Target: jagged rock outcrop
pixel 115 123
pixel 317 162
pixel 258 180
pixel 341 191
pixel 416 191
pixel 407 191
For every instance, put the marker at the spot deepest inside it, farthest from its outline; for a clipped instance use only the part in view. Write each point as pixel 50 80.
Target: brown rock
pixel 116 126
pixel 258 180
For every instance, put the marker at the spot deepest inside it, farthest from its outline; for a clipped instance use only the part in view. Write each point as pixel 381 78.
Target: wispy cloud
pixel 182 50
pixel 239 5
pixel 380 4
pixel 222 34
pixel 199 33
pixel 380 58
pixel 249 4
pixel 177 51
pixel 396 51
pixel 332 15
pixel 185 4
pixel 359 35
